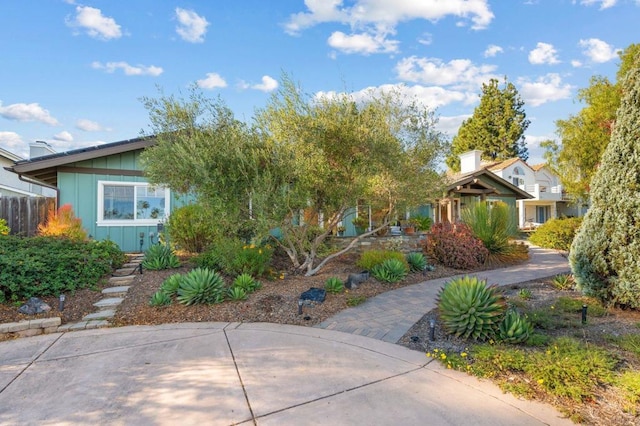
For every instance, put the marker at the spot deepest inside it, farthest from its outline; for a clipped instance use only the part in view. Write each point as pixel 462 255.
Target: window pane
pixel 118 202
pixel 150 202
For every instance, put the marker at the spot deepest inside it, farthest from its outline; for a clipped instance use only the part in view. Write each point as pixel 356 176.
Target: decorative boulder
pixel 314 294
pixel 34 306
pixel 355 279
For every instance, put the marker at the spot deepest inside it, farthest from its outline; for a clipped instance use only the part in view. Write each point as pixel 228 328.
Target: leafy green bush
pixel 4 229
pixel 423 223
pixel 471 309
pixel 417 262
pixel 493 224
pixel 455 246
pixel 44 266
pixel 160 298
pixel 233 257
pixel 201 286
pixel 371 258
pixel 160 256
pixel 390 271
pixel 334 285
pixel 556 234
pixel 514 328
pixel 192 227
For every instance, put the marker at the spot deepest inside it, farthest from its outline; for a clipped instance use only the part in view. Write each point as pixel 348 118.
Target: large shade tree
pixel 605 255
pixel 300 166
pixel 585 135
pixel 496 127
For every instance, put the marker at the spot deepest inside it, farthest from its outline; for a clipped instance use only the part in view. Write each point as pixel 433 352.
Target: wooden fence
pixel 24 214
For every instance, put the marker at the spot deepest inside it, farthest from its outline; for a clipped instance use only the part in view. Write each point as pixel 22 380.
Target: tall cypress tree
pixel 496 127
pixel 605 255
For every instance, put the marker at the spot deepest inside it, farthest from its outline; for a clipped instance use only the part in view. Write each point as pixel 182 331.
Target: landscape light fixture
pixel 61 302
pixel 584 314
pixel 432 330
pixel 141 241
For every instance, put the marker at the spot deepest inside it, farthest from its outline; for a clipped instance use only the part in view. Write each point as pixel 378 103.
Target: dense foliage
pixel 496 127
pixel 233 257
pixel 192 228
pixel 44 266
pixel 4 229
pixel 371 258
pixel 605 252
pixel 493 224
pixel 556 234
pixel 454 245
pixel 390 271
pixel 63 223
pixel 160 256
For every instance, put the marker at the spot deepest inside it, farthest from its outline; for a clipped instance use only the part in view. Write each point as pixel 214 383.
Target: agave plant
pixel 471 309
pixel 201 286
pixel 514 328
pixel 391 271
pixel 160 256
pixel 417 262
pixel 246 282
pixel 160 298
pixel 237 293
pixel 334 285
pixel 170 285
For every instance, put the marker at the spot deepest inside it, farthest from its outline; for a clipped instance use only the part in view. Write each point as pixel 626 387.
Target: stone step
pixel 100 315
pixel 118 291
pixel 131 265
pixel 124 271
pixel 108 302
pixel 121 280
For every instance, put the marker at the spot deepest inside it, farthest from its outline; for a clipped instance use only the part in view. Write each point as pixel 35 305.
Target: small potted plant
pixel 361 223
pixel 340 229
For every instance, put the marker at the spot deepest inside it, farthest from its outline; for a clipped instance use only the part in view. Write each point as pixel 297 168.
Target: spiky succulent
pixel 514 328
pixel 246 282
pixel 471 309
pixel 160 256
pixel 170 285
pixel 160 298
pixel 237 293
pixel 201 285
pixel 417 262
pixel 334 285
pixel 391 271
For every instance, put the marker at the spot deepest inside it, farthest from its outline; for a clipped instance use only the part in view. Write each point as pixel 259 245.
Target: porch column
pixel 521 213
pixel 554 210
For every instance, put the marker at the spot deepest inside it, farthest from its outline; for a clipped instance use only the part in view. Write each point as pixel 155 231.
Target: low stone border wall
pixel 405 243
pixel 29 328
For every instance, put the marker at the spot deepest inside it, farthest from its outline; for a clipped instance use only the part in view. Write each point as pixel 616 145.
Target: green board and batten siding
pixel 81 191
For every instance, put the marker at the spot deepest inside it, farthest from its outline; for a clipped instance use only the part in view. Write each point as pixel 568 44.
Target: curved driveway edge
pixel 230 373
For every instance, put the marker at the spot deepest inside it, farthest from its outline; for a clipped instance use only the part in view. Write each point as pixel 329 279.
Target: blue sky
pixel 72 73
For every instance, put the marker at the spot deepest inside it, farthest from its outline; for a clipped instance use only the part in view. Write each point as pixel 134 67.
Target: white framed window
pixel 131 203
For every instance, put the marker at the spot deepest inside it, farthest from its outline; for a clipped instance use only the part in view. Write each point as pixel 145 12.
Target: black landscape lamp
pixel 61 302
pixel 141 241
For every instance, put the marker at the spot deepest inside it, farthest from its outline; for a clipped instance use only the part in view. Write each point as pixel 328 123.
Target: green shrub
pixel 629 342
pixel 514 328
pixel 629 384
pixel 4 229
pixel 455 246
pixel 201 286
pixel 423 223
pixel 471 309
pixel 334 285
pixel 525 294
pixel 160 298
pixel 45 266
pixel 171 285
pixel 417 262
pixel 371 258
pixel 237 293
pixel 355 300
pixel 556 234
pixel 493 224
pixel 246 282
pixel 563 282
pixel 192 227
pixel 233 257
pixel 160 256
pixel 390 271
pixel 574 306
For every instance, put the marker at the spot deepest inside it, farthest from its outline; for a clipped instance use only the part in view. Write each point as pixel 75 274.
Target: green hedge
pixel 44 266
pixel 556 234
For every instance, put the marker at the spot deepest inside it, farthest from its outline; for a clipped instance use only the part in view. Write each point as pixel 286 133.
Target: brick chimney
pixel 470 161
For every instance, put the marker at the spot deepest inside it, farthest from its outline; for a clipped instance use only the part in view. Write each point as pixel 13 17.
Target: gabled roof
pixel 44 169
pixel 9 155
pixel 469 183
pixel 501 165
pixel 538 167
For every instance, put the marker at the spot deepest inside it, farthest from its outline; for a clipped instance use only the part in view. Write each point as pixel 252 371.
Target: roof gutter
pixel 35 182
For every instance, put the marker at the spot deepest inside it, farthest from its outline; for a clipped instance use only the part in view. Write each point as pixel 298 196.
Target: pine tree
pixel 605 255
pixel 496 127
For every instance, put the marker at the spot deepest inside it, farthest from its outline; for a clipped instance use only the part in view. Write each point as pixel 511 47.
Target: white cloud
pixel 212 81
pixel 89 126
pixel 492 50
pixel 95 24
pixel 545 89
pixel 268 84
pixel 363 43
pixel 426 39
pixel 598 50
pixel 544 53
pixel 457 72
pixel 27 112
pixel 191 26
pixel 576 63
pixel 450 125
pixel 63 136
pixel 388 14
pixel 111 67
pixel 604 4
pixel 11 140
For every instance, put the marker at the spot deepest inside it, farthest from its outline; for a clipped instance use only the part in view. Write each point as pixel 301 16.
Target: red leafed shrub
pixel 454 245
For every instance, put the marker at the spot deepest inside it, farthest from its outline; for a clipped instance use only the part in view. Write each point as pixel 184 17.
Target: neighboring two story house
pixel 10 183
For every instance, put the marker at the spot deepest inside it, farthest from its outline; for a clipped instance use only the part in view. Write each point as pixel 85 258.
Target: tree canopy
pixel 496 127
pixel 301 164
pixel 584 136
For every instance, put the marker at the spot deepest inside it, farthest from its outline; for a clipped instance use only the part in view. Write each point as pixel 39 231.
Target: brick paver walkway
pixel 390 315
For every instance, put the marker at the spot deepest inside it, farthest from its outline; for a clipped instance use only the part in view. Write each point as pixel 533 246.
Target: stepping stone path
pixel 112 297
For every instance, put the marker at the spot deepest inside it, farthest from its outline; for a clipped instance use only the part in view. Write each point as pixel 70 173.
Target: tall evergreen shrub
pixel 605 255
